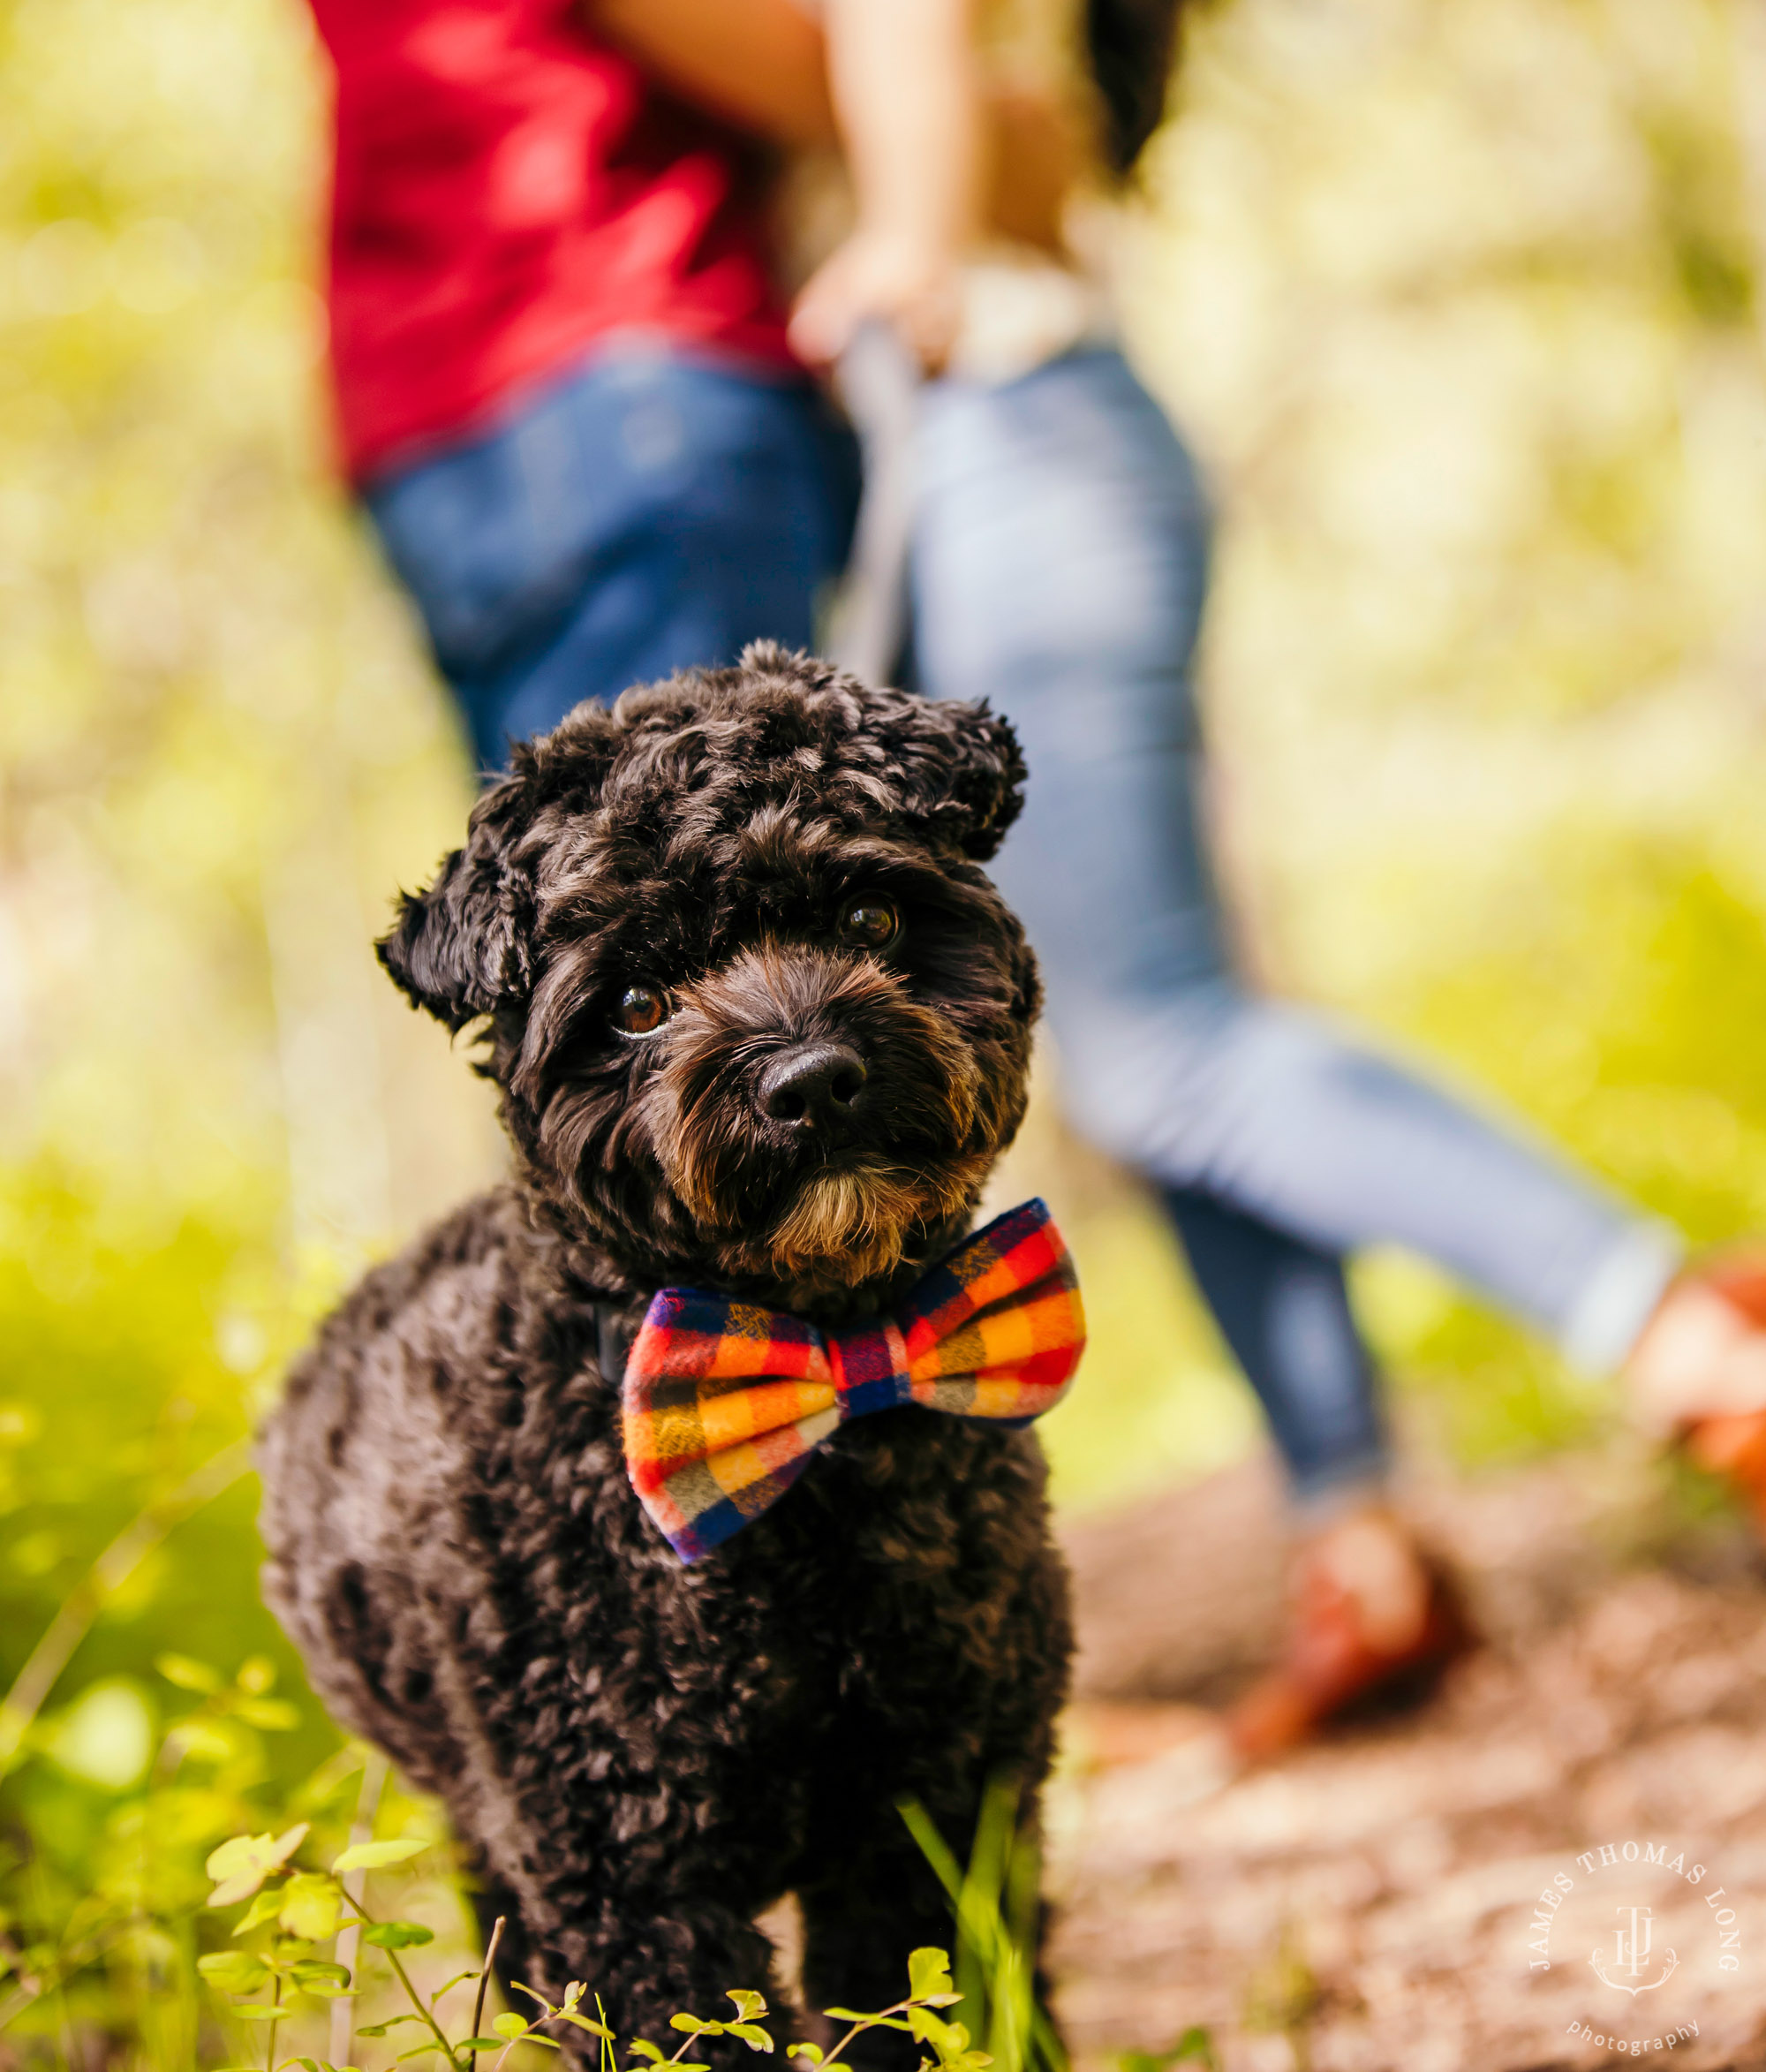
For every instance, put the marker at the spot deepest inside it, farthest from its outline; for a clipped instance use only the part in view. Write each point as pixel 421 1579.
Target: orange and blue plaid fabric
pixel 725 1403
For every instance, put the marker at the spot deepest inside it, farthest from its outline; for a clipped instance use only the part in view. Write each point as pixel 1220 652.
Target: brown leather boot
pixel 1735 1445
pixel 1355 1632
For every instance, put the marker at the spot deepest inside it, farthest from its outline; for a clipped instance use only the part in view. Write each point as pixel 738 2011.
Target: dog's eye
pixel 873 924
pixel 641 1008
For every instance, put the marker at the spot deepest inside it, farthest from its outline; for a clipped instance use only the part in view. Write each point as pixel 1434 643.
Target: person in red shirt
pixel 564 391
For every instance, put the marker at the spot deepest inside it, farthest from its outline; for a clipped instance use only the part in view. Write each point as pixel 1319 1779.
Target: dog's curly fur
pixel 641 1755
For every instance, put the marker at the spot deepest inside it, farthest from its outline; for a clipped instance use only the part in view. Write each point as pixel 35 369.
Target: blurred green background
pixel 1458 299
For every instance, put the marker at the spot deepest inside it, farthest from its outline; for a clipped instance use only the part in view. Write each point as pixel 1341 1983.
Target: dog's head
pixel 759 1016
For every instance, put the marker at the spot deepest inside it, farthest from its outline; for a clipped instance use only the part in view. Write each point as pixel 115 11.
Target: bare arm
pixel 761 63
pixel 908 101
pixel 908 98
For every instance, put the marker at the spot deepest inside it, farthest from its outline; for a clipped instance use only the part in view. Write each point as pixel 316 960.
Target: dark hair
pixel 1132 45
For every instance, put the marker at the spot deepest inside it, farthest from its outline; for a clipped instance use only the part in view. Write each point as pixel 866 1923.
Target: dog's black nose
pixel 812 1087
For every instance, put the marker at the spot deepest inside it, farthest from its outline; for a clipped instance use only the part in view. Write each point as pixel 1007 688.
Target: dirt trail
pixel 1366 1904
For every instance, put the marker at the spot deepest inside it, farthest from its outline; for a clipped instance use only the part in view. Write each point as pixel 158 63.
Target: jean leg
pixel 649 512
pixel 1079 622
pixel 1283 1308
pixel 1058 570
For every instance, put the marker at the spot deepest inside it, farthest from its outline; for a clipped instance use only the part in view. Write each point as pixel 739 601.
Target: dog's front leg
pixel 650 1950
pixel 880 1900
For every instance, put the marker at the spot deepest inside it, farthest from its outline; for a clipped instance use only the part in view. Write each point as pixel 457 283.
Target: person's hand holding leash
pixel 913 283
pixel 907 99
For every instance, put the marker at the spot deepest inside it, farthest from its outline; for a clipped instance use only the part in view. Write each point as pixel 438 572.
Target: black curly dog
pixel 760 1023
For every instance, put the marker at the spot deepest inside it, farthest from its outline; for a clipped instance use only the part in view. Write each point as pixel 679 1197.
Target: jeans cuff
pixel 1323 1494
pixel 1619 1296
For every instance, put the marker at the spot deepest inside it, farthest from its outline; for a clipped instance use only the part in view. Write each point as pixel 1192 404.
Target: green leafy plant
pixel 289 1908
pixel 286 1894
pixel 930 1987
pixel 997 1904
pixel 1195 2047
pixel 289 1904
pixel 996 1900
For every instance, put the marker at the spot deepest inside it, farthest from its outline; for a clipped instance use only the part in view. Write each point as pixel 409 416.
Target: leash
pixel 877 380
pixel 614 1335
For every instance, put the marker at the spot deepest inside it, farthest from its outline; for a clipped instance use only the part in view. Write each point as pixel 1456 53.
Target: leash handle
pixel 877 380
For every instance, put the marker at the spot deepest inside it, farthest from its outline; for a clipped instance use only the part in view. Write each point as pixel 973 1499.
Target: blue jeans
pixel 647 510
pixel 1060 560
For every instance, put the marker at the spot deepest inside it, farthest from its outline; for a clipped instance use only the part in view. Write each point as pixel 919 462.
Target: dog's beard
pixel 851 1225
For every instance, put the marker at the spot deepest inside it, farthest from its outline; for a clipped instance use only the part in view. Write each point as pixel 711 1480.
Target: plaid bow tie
pixel 725 1403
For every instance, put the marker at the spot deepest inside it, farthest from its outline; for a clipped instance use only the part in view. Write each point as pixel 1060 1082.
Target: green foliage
pixel 749 2006
pixel 1283 1992
pixel 274 1913
pixel 399 1935
pixel 997 1904
pixel 947 2045
pixel 374 1856
pixel 1195 2047
pixel 996 1901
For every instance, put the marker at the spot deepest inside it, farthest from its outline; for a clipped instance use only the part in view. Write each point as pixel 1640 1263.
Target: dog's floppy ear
pixel 965 774
pixel 460 949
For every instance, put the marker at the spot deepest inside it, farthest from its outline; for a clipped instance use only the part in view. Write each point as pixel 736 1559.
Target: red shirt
pixel 507 190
